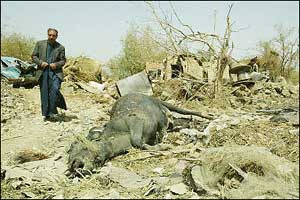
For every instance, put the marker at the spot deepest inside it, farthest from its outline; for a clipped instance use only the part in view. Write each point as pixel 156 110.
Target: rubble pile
pixel 257 130
pixel 11 102
pixel 250 149
pixel 250 172
pixel 82 69
pixel 182 90
pixel 265 95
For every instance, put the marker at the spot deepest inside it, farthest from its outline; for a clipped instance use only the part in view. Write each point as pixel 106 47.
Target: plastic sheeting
pixel 13 68
pixel 9 68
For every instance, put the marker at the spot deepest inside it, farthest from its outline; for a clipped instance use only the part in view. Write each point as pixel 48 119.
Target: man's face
pixel 52 36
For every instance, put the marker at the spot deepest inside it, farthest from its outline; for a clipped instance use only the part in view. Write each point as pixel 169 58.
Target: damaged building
pixel 174 66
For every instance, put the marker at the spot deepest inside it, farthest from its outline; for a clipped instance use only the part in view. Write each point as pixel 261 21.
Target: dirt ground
pixel 158 174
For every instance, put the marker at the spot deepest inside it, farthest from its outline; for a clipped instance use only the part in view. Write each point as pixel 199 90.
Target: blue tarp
pixel 9 68
pixel 13 67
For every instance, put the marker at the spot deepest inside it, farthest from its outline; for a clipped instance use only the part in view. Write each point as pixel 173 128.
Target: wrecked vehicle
pixel 245 75
pixel 18 72
pixel 136 120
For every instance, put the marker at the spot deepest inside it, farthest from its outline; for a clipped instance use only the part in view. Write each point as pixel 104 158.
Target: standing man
pixel 49 55
pixel 253 64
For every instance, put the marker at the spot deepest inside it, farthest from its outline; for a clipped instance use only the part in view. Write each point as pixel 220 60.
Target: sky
pixel 95 28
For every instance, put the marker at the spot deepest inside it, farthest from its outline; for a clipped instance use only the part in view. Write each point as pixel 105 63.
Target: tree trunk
pixel 219 78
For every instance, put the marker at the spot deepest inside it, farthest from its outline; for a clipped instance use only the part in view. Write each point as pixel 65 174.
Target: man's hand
pixel 44 65
pixel 53 66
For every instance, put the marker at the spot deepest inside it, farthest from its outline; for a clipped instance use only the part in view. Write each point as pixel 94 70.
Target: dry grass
pixel 271 135
pixel 29 155
pixel 266 173
pixel 82 69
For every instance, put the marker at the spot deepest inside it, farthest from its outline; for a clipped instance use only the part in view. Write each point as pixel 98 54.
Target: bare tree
pixel 288 49
pixel 178 37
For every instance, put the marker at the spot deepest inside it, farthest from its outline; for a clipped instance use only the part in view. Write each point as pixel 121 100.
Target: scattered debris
pixel 91 87
pixel 202 159
pixel 18 72
pixel 29 195
pixel 256 169
pixel 82 69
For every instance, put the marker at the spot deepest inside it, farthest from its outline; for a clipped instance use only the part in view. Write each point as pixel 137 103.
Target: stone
pixel 89 194
pixel 292 117
pixel 113 194
pixel 180 166
pixel 168 196
pixel 29 194
pixel 17 184
pixel 16 173
pixel 59 195
pixel 179 188
pixel 203 137
pixel 75 180
pixel 175 178
pixel 203 180
pixel 162 181
pixel 285 92
pixel 126 178
pixel 194 195
pixel 159 170
pixel 294 131
pixel 267 91
pixel 234 121
pixel 189 132
pixel 278 118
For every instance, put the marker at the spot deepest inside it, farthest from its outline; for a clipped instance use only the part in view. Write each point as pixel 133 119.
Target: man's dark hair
pixel 52 29
pixel 254 59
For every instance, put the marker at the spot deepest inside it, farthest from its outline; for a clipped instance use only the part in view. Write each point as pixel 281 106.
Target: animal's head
pixel 95 133
pixel 84 156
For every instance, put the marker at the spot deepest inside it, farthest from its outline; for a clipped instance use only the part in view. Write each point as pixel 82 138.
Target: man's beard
pixel 51 41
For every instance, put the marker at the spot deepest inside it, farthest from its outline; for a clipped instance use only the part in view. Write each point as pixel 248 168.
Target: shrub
pixel 17 45
pixel 138 47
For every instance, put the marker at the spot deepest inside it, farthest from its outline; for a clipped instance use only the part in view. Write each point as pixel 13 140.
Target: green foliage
pixel 17 45
pixel 138 47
